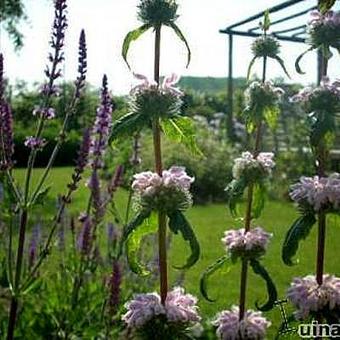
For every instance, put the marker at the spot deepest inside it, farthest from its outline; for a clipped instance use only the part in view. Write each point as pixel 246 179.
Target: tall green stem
pixel 321 165
pixel 248 216
pixel 163 270
pixel 18 270
pixel 322 154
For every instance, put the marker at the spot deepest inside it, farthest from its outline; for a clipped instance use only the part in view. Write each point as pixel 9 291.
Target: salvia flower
pixel 101 128
pixel 57 43
pixel 179 308
pixel 253 326
pixel 168 192
pixel 35 143
pixel 53 90
pixel 319 193
pixel 309 297
pixel 114 286
pixel 33 245
pixel 47 113
pixel 323 98
pixel 116 180
pixel 253 168
pixel 97 201
pixel 82 64
pixel 251 244
pixel 151 101
pixel 6 134
pixel 84 241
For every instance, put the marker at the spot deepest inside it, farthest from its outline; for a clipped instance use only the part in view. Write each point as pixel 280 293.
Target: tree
pixel 11 13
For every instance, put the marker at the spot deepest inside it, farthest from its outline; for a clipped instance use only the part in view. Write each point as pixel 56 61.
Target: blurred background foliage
pixel 205 100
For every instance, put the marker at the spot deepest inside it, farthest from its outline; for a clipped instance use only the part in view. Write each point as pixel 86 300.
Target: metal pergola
pixel 294 33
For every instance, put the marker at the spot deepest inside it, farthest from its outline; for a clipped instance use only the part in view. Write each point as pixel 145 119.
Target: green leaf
pixel 271 289
pixel 178 223
pixel 259 199
pixel 251 64
pixel 133 242
pixel 271 115
pixel 127 125
pixel 235 190
pixel 131 226
pixel 297 61
pixel 182 37
pixel 282 64
pixel 41 196
pixel 181 130
pixel 266 21
pixel 325 5
pixel 298 231
pixel 132 36
pixel 210 271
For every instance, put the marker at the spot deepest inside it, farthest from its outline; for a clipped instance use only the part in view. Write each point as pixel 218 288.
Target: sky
pixel 106 22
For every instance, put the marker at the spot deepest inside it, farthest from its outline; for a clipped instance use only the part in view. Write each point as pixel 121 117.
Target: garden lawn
pixel 209 223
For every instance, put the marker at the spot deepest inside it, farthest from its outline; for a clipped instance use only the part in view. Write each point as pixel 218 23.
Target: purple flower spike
pixel 84 150
pixel 115 282
pixel 57 43
pixel 97 202
pixel 82 63
pixel 85 237
pixel 1 77
pixel 101 128
pixel 6 134
pixel 116 180
pixel 35 143
pixel 33 246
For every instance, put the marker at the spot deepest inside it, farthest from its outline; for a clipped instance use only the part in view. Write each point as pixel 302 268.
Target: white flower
pixel 253 326
pixel 178 308
pixel 247 162
pixel 319 192
pixel 308 296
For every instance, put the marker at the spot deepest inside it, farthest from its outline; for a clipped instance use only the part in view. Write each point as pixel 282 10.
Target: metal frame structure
pixel 295 34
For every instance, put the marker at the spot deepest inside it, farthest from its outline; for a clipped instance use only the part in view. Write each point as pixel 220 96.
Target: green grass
pixel 209 223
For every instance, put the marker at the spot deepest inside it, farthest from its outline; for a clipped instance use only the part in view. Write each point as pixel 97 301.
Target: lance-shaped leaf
pixel 297 61
pixel 251 64
pixel 131 226
pixel 266 21
pixel 234 192
pixel 181 130
pixel 298 231
pixel 282 64
pixel 325 5
pixel 271 115
pixel 258 200
pixel 182 37
pixel 210 271
pixel 133 242
pixel 178 223
pixel 41 196
pixel 132 36
pixel 127 125
pixel 271 289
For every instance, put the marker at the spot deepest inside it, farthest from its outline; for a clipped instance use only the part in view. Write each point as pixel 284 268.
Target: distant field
pixel 210 222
